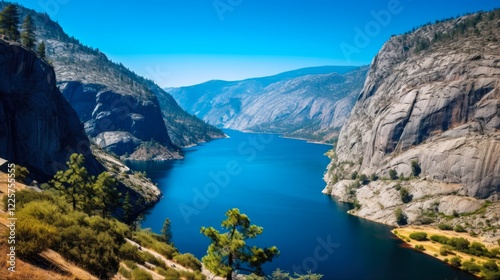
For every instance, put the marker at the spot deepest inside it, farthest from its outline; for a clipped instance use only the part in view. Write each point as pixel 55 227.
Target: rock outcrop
pixel 431 97
pixel 40 130
pixel 310 103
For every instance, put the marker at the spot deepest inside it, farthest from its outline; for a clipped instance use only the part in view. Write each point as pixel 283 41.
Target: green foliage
pixel 21 173
pixel 471 267
pixel 154 241
pixel 478 249
pixel 397 186
pixel 400 216
pixel 9 20
pixel 188 260
pixel 33 236
pixel 393 174
pixel 443 226
pixel 420 247
pixel 41 50
pixel 28 33
pixel 445 250
pixel 166 231
pixel 354 175
pixel 440 239
pixel 279 274
pixel 459 228
pixel 228 251
pixel 125 272
pixel 138 273
pixel 364 179
pixel 150 258
pixel 419 236
pixel 373 177
pixel 127 208
pixel 459 243
pixel 405 195
pixel 455 261
pixel 129 252
pixel 415 168
pixel 490 270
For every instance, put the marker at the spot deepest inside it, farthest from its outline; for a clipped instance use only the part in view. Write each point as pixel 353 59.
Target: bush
pixel 461 244
pixel 459 228
pixel 373 177
pixel 151 240
pixel 129 252
pixel 443 226
pixel 168 273
pixel 440 239
pixel 33 236
pixel 420 247
pixel 141 274
pixel 445 250
pixel 471 267
pixel 188 260
pixel 125 272
pixel 490 265
pixel 415 168
pixel 397 186
pixel 478 249
pixel 364 179
pixel 405 195
pixel 455 261
pixel 393 174
pixel 400 216
pixel 354 175
pixel 419 236
pixel 150 258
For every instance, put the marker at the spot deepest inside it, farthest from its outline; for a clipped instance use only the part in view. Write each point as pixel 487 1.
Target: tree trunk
pixel 229 275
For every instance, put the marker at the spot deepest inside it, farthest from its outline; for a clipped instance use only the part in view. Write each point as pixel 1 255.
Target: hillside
pixel 310 103
pixel 427 123
pixel 118 108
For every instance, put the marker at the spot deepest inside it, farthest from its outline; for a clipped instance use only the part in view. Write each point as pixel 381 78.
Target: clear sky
pixel 184 42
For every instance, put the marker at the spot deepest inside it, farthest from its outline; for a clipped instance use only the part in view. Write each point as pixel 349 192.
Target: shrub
pixel 440 239
pixel 455 261
pixel 490 265
pixel 420 247
pixel 443 226
pixel 405 195
pixel 419 236
pixel 461 244
pixel 400 216
pixel 445 250
pixel 168 273
pixel 34 236
pixel 364 179
pixel 478 249
pixel 393 174
pixel 141 274
pixel 373 177
pixel 125 272
pixel 188 260
pixel 471 267
pixel 397 186
pixel 354 175
pixel 459 228
pixel 151 240
pixel 446 260
pixel 129 252
pixel 415 168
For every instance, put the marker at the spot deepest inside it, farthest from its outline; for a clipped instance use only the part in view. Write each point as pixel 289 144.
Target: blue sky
pixel 184 42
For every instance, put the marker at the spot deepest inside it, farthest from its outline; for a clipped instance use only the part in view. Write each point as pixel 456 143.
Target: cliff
pixel 432 97
pixel 310 103
pixel 40 130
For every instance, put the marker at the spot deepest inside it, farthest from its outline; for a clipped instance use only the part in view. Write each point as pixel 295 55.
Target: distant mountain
pixel 119 109
pixel 310 103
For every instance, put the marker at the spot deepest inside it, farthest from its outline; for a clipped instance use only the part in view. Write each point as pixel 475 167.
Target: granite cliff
pixel 310 103
pixel 40 130
pixel 432 97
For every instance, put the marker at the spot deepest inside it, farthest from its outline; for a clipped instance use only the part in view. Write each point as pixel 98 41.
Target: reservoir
pixel 277 182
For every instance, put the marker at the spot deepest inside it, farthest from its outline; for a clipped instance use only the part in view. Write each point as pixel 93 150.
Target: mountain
pixel 310 103
pixel 430 104
pixel 39 129
pixel 120 110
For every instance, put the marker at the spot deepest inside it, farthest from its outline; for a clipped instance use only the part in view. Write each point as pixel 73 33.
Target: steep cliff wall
pixel 432 97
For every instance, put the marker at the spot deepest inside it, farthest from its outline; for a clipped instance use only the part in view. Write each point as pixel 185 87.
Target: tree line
pixel 9 26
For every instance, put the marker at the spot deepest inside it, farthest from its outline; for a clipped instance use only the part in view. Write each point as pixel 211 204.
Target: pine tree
pixel 9 21
pixel 166 231
pixel 28 34
pixel 41 50
pixel 127 208
pixel 228 251
pixel 106 196
pixel 73 182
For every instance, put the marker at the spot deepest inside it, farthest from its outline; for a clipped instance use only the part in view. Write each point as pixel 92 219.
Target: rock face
pixel 310 103
pixel 110 99
pixel 431 96
pixel 40 130
pixel 38 127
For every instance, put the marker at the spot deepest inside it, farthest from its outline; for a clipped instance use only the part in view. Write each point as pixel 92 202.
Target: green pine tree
pixel 127 208
pixel 28 34
pixel 41 49
pixel 73 182
pixel 228 251
pixel 105 193
pixel 9 21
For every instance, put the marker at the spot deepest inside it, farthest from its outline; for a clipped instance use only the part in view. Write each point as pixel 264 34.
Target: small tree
pixel 127 208
pixel 105 191
pixel 400 216
pixel 41 50
pixel 228 251
pixel 393 174
pixel 28 34
pixel 364 179
pixel 415 168
pixel 405 195
pixel 166 231
pixel 9 20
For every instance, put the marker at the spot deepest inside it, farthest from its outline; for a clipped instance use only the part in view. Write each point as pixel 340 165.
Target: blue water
pixel 277 182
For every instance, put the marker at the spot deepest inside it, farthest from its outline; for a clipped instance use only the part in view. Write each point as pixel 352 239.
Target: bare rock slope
pixel 432 97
